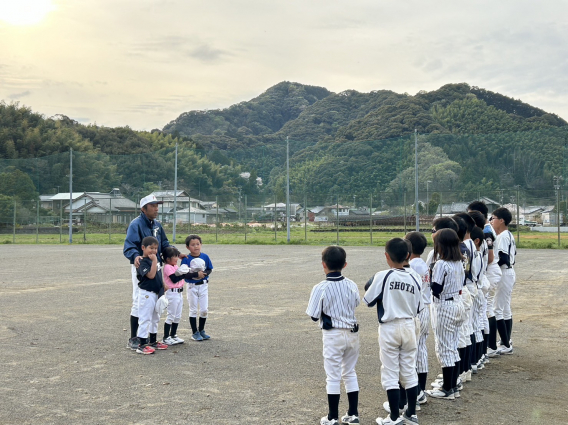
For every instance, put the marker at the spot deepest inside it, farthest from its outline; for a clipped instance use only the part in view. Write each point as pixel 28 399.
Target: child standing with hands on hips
pixel 197 288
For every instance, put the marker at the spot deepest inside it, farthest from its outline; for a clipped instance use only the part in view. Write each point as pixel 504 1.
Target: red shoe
pixel 159 345
pixel 145 349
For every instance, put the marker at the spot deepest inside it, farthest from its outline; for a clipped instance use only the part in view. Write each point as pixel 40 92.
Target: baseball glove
pixel 161 304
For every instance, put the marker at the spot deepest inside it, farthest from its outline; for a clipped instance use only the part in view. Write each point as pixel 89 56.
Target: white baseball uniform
pixel 333 302
pixel 420 267
pixel 505 243
pixel 398 297
pixel 447 309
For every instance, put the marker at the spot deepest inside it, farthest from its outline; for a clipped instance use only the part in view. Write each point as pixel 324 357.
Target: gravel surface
pixel 65 323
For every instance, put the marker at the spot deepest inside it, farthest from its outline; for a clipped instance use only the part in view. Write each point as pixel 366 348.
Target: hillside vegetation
pixel 349 142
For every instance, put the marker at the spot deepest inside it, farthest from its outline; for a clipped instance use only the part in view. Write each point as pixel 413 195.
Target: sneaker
pixel 437 384
pixel 169 341
pixel 459 385
pixel 474 369
pixel 492 353
pixel 441 393
pixel 389 421
pixel 325 421
pixel 440 376
pixel 505 350
pixel 422 399
pixel 456 393
pixel 197 336
pixel 468 376
pixel 145 349
pixel 409 420
pixel 177 339
pixel 133 343
pixel 204 335
pixel 486 359
pixel 159 345
pixel 350 419
pixel 480 365
pixel 387 408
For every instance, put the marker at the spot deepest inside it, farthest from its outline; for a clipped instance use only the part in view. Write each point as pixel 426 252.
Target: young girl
pixel 174 288
pixel 197 288
pixel 446 281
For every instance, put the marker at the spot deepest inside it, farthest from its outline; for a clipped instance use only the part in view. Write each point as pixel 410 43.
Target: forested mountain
pixel 359 142
pixel 349 142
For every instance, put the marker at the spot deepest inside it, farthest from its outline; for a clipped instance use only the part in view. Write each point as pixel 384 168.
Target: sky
pixel 143 63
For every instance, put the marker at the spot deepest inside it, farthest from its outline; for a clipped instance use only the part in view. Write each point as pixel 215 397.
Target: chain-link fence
pixel 344 219
pixel 355 193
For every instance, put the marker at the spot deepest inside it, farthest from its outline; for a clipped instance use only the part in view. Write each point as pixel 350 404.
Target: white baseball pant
pixel 175 306
pixel 465 330
pixel 340 354
pixel 445 318
pixel 503 295
pixel 148 318
pixel 397 341
pixel 198 299
pixel 493 276
pixel 422 353
pixel 135 289
pixel 477 322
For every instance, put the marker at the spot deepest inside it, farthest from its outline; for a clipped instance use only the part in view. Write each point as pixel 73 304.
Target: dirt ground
pixel 64 327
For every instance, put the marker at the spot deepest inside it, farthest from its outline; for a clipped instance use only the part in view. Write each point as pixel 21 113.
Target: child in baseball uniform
pixel 332 303
pixel 397 294
pixel 446 281
pixel 506 251
pixel 173 282
pixel 493 274
pixel 151 288
pixel 478 308
pixel 418 244
pixel 197 288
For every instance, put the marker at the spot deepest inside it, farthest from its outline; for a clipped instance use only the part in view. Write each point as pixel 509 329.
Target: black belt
pixel 176 289
pixel 200 283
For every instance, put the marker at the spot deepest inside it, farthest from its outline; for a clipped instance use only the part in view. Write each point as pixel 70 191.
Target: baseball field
pixel 64 327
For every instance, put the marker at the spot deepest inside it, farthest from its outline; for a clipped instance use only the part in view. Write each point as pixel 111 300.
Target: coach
pixel 143 225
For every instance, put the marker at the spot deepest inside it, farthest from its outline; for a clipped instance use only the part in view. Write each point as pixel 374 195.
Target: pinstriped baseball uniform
pixel 333 302
pixel 447 309
pixel 493 272
pixel 420 267
pixel 476 308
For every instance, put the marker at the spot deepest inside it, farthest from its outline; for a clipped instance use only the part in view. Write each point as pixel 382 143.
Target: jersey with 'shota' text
pixel 333 302
pixel 397 294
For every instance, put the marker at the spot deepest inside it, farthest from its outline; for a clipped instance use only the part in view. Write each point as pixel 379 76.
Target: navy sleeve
pixel 504 259
pixel 132 242
pixel 369 283
pixel 436 289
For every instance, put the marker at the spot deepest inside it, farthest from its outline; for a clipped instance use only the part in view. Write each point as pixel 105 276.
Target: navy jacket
pixel 138 229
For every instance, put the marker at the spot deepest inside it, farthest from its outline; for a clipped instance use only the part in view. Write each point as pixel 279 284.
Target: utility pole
pixel 175 194
pixel 416 180
pixel 287 190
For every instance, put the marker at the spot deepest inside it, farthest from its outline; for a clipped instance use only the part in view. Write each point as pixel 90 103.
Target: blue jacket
pixel 138 229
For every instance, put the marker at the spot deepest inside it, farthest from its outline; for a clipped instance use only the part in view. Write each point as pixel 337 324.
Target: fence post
pixel 404 197
pixel 37 221
pixel 110 218
pixel 275 228
pixel 371 218
pixel 85 223
pixel 306 218
pixel 441 204
pixel 337 217
pixel 217 219
pixel 245 220
pixel 14 234
pixel 518 218
pixel 189 213
pixel 60 221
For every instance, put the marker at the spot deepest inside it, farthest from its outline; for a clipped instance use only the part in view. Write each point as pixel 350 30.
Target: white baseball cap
pixel 150 199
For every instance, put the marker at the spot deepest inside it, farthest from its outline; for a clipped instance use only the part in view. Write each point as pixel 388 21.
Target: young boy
pixel 151 288
pixel 332 303
pixel 197 289
pixel 419 243
pixel 493 275
pixel 397 294
pixel 506 252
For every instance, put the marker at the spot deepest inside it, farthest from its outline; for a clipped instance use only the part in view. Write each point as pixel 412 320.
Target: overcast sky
pixel 142 63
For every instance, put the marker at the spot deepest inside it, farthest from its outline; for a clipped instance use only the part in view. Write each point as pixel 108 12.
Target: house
pixel 280 209
pixel 453 208
pixel 97 206
pixel 549 216
pixel 328 213
pixel 179 198
pixel 196 216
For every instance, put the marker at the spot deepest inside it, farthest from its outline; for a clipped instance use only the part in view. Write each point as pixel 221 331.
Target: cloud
pixel 16 96
pixel 206 53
